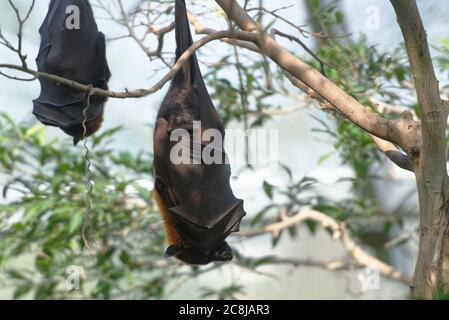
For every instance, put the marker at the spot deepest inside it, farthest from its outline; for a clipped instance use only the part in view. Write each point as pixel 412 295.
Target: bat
pixel 195 199
pixel 71 47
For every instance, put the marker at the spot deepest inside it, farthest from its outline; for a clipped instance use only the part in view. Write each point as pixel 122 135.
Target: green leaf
pixel 268 189
pixel 124 257
pixel 312 226
pixel 259 216
pixel 275 239
pixel 417 110
pixel 44 291
pixel 400 74
pixel 22 290
pixel 75 221
pixel 97 139
pixel 339 16
pixel 15 274
pixel 445 43
pixel 324 158
pixel 443 296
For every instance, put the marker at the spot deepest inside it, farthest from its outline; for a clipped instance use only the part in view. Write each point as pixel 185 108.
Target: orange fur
pixel 173 236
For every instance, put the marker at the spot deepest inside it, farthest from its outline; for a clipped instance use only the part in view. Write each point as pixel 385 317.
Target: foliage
pixel 44 212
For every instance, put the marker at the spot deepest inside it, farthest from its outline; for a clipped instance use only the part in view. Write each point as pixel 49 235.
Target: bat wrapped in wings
pixel 197 204
pixel 73 48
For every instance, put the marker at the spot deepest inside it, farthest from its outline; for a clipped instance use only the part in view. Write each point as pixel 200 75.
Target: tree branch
pixel 21 22
pixel 200 29
pixel 400 132
pixel 434 116
pixel 334 265
pixel 338 232
pixel 246 36
pixel 399 158
pixel 430 167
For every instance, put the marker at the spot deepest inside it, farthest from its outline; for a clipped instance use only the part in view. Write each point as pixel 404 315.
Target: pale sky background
pixel 298 146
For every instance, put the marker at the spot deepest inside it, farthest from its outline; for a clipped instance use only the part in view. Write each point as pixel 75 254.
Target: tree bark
pixel 431 275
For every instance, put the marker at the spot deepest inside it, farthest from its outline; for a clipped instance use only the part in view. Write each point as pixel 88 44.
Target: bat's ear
pixel 222 253
pixel 172 251
pixel 76 140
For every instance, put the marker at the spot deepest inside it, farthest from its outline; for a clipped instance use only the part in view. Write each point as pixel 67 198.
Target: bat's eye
pixel 159 184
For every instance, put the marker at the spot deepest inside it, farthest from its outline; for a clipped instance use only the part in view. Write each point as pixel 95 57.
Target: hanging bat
pixel 73 48
pixel 196 202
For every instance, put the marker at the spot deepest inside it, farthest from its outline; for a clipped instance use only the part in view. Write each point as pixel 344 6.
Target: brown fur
pixel 78 130
pixel 94 125
pixel 173 236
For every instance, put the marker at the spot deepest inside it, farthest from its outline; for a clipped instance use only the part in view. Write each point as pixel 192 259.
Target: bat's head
pixel 193 256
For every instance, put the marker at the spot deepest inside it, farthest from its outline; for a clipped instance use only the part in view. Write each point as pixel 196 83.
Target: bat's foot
pixel 193 256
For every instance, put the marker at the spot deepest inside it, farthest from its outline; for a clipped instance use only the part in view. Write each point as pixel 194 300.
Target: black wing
pixel 75 52
pixel 198 197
